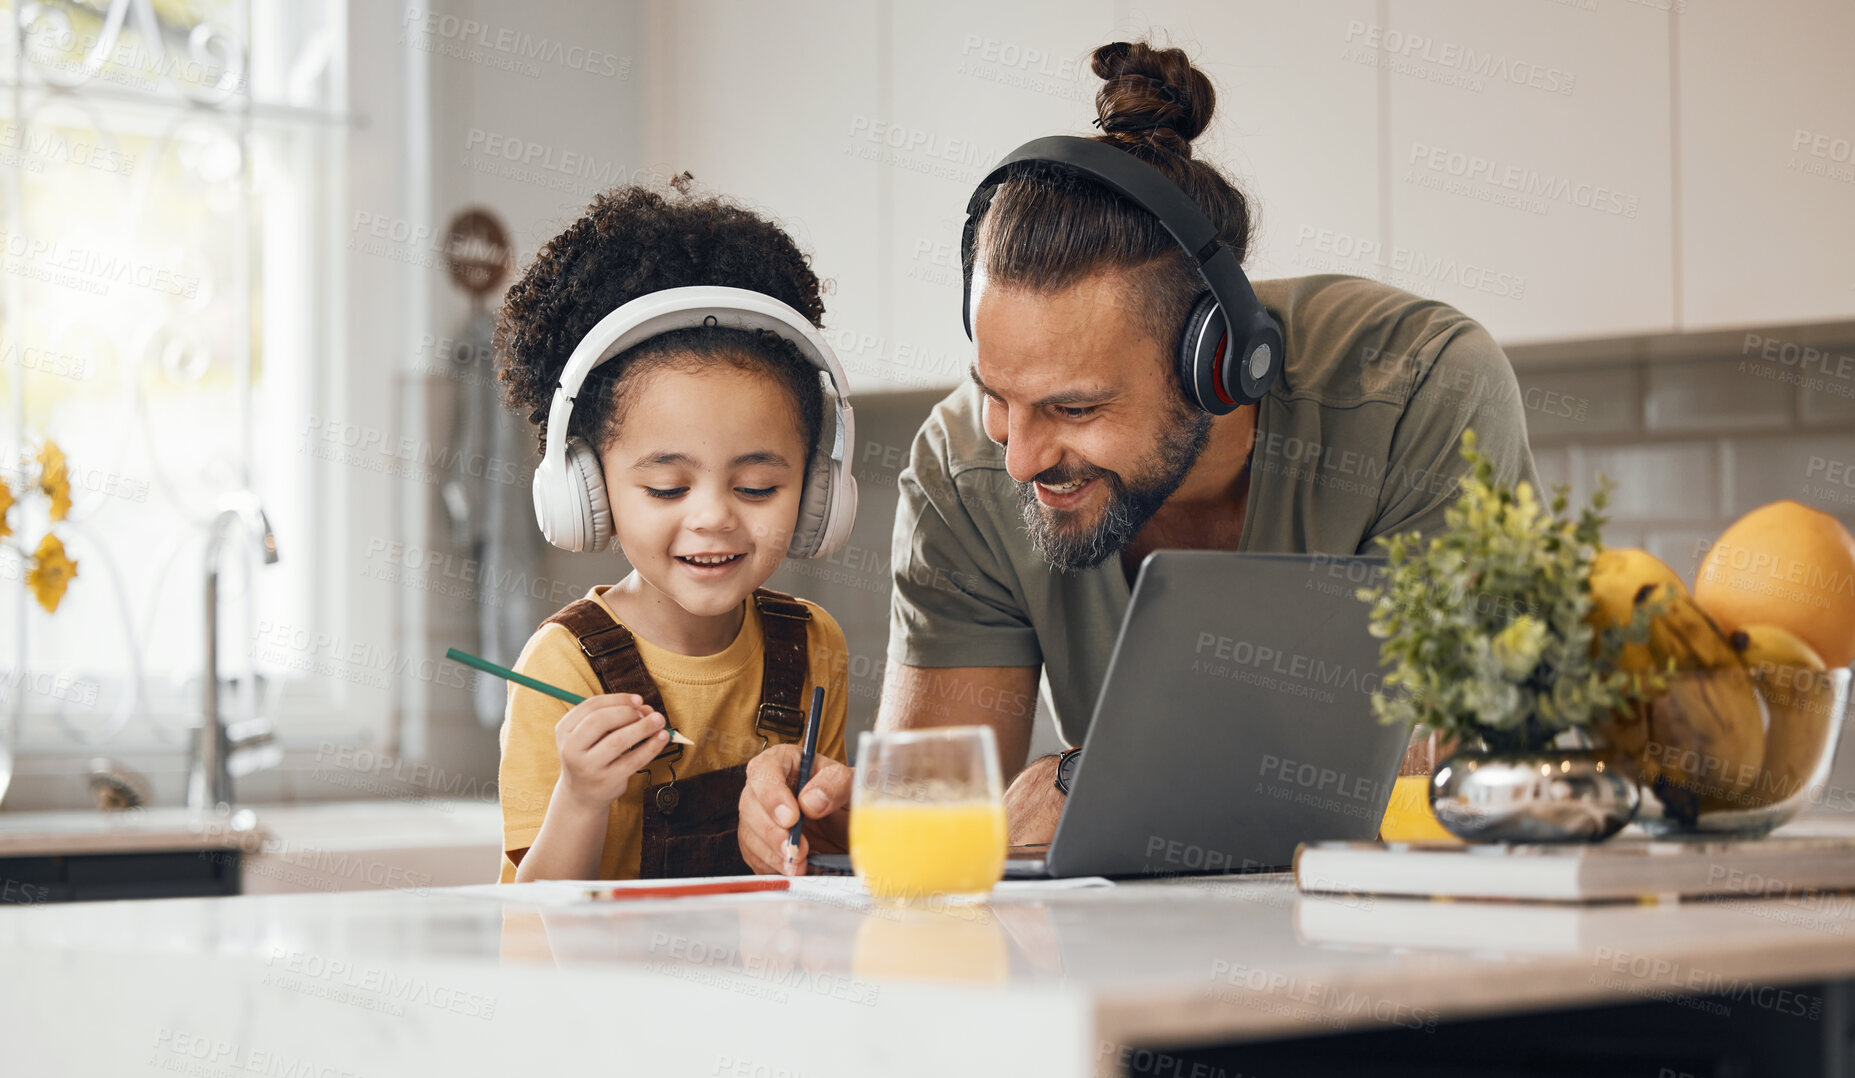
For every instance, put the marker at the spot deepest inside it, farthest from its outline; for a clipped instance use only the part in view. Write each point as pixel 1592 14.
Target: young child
pixel 705 440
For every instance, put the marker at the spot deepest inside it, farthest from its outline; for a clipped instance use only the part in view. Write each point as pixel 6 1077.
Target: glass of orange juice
pixel 1408 817
pixel 927 815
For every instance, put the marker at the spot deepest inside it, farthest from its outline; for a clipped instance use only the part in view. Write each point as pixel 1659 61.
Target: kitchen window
pixel 171 192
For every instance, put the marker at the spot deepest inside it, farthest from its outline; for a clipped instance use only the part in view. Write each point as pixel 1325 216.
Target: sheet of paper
pixel 571 892
pixel 849 885
pixel 830 888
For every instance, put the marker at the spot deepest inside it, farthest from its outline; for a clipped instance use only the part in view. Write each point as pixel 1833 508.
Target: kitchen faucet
pixel 209 777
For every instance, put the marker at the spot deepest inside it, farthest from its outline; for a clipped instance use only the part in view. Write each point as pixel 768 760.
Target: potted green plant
pixel 1489 641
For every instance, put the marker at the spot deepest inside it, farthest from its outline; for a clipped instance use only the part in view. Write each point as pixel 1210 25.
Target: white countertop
pixel 822 983
pixel 346 824
pixel 40 834
pixel 316 846
pixel 361 845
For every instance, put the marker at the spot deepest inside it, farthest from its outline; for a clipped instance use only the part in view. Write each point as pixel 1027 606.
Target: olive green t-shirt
pixel 1358 438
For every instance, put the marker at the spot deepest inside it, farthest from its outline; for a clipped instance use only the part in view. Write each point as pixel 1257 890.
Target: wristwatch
pixel 1066 767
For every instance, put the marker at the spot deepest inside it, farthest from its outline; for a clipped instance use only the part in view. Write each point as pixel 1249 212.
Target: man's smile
pixel 1065 495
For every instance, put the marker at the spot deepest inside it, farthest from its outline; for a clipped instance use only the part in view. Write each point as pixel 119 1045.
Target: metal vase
pixel 1546 795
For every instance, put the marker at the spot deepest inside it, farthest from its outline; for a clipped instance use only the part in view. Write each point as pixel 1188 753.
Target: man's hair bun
pixel 1048 226
pixel 1150 95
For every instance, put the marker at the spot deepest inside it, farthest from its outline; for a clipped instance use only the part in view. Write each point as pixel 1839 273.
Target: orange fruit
pixel 1788 565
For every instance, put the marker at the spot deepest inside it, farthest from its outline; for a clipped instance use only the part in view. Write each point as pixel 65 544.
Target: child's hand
pixel 602 742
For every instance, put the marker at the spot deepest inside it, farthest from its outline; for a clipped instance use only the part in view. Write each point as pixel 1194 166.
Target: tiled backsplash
pixel 1693 445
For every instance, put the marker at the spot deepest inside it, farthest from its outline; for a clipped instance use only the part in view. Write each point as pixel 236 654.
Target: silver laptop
pixel 1234 723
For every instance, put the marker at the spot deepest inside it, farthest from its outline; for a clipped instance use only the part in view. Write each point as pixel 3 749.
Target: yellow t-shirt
pixel 712 699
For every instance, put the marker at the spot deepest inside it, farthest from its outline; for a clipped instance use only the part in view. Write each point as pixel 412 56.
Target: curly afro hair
pixel 633 241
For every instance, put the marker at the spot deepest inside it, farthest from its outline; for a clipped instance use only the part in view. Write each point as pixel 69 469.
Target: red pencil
pixel 680 890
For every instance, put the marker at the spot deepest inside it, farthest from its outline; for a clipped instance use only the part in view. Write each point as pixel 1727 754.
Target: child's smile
pixel 712 566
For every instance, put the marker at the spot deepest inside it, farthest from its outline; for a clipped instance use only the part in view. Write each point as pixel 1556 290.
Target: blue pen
pixel 805 768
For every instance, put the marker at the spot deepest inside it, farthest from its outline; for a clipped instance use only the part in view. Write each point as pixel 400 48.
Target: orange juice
pixel 912 849
pixel 1408 817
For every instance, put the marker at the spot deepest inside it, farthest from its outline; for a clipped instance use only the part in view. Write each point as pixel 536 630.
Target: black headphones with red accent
pixel 1231 348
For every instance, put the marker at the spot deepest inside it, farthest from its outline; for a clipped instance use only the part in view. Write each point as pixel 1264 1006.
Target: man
pixel 1032 494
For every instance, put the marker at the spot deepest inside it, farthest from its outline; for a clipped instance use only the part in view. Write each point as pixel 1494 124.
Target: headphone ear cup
pixel 814 506
pixel 589 507
pixel 1202 348
pixel 828 501
pixel 843 513
pixel 557 506
pixel 1253 370
pixel 825 526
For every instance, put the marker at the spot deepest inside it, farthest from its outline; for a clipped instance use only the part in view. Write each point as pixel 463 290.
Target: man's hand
pixel 768 809
pixel 1033 804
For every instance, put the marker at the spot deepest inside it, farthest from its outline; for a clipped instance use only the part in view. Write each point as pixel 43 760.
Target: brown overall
pixel 689 824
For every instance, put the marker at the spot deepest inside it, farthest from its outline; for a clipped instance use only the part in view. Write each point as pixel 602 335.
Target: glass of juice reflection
pixel 927 815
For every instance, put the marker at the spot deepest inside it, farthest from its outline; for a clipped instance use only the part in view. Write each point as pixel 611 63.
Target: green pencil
pixel 539 686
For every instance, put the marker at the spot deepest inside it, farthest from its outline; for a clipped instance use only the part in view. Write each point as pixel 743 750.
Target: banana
pixel 1789 674
pixel 1764 648
pixel 1701 745
pixel 1685 634
pixel 1629 569
pixel 1705 737
pixel 1706 740
pixel 1621 579
pixel 1707 734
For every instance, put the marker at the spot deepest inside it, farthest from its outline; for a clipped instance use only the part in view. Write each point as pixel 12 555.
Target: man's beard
pixel 1066 546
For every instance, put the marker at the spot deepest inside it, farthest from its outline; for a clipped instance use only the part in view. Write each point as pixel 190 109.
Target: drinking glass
pixel 927 815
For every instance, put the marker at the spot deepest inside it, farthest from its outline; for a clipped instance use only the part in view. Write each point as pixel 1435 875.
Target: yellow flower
pixel 54 478
pixel 6 504
pixel 51 573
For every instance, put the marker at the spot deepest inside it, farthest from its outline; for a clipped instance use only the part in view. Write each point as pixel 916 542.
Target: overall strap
pixel 694 830
pixel 782 680
pixel 613 653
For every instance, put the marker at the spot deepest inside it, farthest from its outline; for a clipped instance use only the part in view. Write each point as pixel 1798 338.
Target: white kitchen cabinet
pixel 1560 169
pixel 1529 165
pixel 1767 162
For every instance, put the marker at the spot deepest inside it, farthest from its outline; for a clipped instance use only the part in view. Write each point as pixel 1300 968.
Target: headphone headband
pixel 657 313
pixel 1127 176
pixel 570 498
pixel 1258 353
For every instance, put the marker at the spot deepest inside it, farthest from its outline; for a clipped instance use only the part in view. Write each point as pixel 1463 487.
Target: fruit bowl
pixel 1736 751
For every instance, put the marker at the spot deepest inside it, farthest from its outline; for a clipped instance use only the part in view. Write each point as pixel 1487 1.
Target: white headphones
pixel 570 499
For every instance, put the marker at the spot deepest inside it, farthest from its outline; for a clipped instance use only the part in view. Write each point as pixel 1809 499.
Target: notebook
pixel 1626 868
